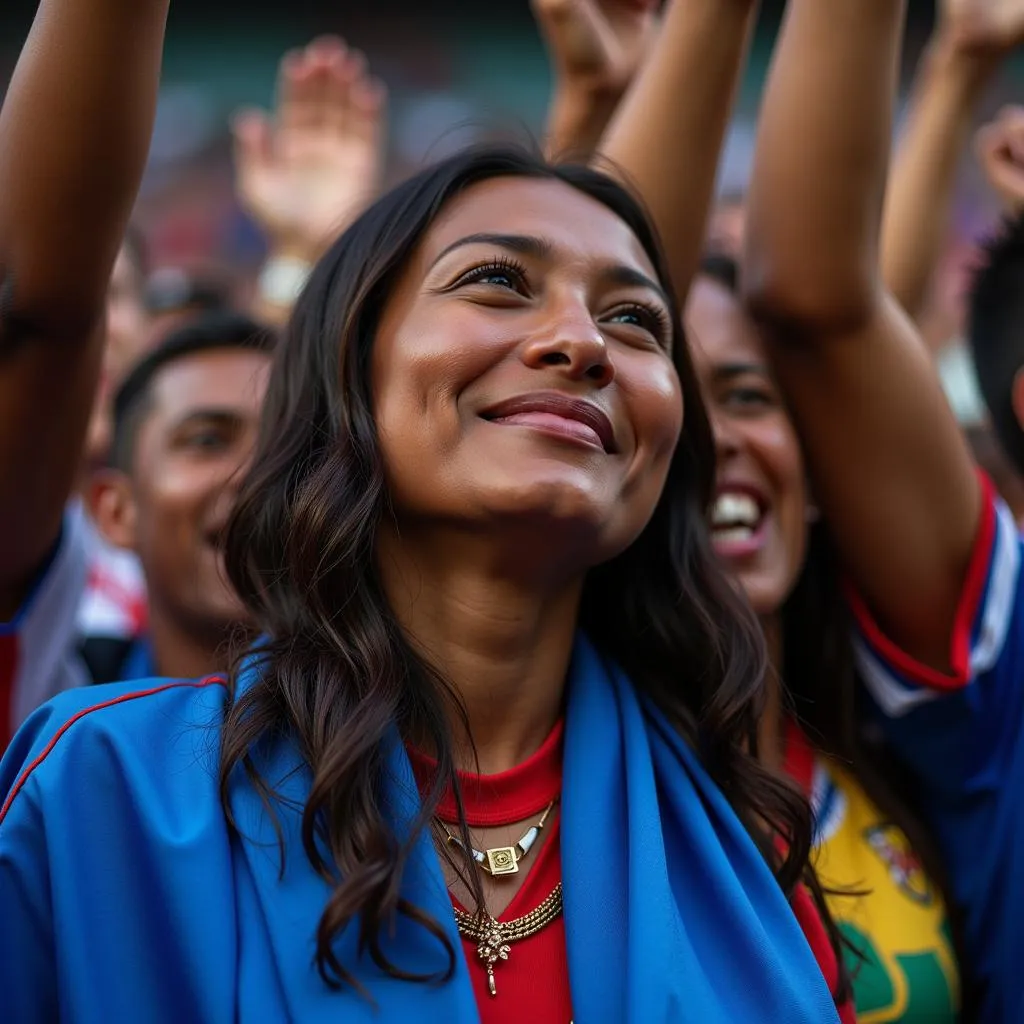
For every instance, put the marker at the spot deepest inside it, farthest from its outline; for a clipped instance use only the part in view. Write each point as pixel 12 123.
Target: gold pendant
pixel 502 860
pixel 492 948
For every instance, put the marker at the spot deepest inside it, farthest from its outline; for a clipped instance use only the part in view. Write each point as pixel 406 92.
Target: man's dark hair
pixel 995 332
pixel 206 331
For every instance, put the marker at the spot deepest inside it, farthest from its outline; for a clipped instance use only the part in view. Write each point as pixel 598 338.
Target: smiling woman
pixel 502 723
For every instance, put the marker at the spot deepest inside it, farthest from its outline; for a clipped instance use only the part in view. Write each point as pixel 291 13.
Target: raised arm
pixel 888 466
pixel 667 134
pixel 74 133
pixel 1000 148
pixel 970 42
pixel 595 48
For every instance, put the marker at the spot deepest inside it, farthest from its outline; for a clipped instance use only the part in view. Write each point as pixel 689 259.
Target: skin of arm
pixel 888 465
pixel 666 137
pixel 74 135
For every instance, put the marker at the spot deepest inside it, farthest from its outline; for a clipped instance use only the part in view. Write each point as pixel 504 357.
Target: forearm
pixel 947 87
pixel 820 164
pixel 577 119
pixel 666 136
pixel 74 135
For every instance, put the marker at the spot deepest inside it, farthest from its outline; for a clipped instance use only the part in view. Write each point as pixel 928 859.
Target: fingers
pixel 367 102
pixel 305 84
pixel 253 141
pixel 576 34
pixel 1000 148
pixel 327 86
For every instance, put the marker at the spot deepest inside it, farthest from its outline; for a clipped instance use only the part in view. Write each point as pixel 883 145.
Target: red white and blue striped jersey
pixel 961 735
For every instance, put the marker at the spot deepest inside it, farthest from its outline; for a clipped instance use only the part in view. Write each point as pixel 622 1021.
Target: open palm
pixel 306 172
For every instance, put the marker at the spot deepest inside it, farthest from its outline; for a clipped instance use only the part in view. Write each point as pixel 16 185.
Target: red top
pixel 533 984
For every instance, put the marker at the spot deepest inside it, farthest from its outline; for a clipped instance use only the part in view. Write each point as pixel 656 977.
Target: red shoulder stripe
pixel 209 681
pixel 967 610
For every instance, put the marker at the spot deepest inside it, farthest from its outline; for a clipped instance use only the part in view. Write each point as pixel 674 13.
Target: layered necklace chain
pixel 494 938
pixel 501 860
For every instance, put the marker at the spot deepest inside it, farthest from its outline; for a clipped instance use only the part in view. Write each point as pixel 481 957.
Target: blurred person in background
pixel 174 294
pixel 185 425
pixel 113 601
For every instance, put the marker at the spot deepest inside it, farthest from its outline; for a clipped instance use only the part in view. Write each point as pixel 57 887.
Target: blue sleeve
pixel 27 959
pixel 959 733
pixel 962 738
pixel 94 869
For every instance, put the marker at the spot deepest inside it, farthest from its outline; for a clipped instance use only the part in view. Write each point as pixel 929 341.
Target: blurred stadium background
pixel 456 72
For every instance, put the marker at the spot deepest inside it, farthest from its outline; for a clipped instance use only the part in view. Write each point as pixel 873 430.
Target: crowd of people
pixel 552 595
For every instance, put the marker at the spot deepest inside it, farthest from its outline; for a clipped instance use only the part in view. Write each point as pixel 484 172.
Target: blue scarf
pixel 671 912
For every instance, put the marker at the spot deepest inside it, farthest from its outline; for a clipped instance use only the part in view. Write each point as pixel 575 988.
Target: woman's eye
pixel 654 321
pixel 748 397
pixel 499 273
pixel 205 440
pixel 501 278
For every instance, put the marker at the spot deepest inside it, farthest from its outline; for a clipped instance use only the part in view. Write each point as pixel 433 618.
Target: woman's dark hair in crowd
pixel 337 676
pixel 995 332
pixel 819 674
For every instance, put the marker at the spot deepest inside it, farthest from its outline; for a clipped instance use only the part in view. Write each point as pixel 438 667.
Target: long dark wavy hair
pixel 822 689
pixel 337 675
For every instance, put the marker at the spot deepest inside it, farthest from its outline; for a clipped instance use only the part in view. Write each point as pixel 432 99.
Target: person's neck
pixel 770 728
pixel 180 653
pixel 504 643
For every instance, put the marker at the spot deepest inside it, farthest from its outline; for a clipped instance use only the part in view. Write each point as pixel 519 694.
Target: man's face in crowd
pixel 193 441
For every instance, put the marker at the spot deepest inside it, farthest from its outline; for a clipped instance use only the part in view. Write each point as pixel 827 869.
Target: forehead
pixel 228 378
pixel 576 225
pixel 720 331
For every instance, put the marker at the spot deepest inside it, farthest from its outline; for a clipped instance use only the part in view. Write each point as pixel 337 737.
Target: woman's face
pixel 522 376
pixel 760 514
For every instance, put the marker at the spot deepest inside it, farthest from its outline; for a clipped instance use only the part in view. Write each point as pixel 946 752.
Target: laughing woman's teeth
pixel 734 510
pixel 733 534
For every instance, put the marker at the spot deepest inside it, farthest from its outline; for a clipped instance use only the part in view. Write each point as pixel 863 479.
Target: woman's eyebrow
pixel 528 245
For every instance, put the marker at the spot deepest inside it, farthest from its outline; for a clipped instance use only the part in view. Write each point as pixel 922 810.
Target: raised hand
pixel 308 170
pixel 1000 149
pixel 993 26
pixel 596 48
pixel 598 44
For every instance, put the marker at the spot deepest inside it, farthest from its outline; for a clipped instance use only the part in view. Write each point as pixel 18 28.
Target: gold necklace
pixel 493 938
pixel 502 860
